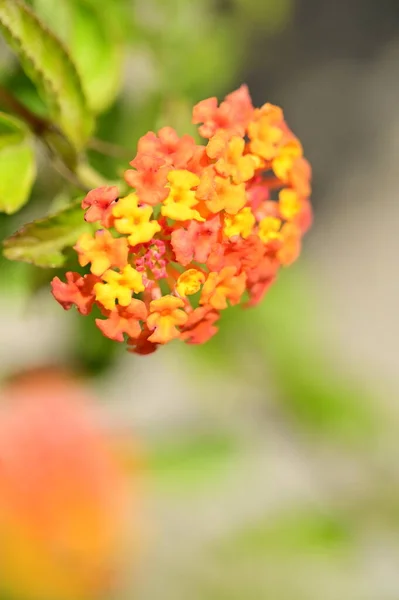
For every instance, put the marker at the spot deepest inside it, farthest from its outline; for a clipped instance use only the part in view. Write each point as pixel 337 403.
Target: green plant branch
pixel 64 157
pixel 38 125
pixel 109 149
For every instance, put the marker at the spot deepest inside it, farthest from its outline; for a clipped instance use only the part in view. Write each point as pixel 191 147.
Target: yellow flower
pixel 240 168
pixel 265 132
pixel 102 251
pixel 240 224
pixel 190 282
pixel 284 161
pixel 219 193
pixel 289 204
pixel 269 229
pixel 181 199
pixel 135 220
pixel 118 286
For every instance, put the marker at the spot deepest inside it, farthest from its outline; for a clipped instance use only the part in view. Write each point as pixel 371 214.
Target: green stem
pixel 109 149
pixel 64 157
pixel 37 124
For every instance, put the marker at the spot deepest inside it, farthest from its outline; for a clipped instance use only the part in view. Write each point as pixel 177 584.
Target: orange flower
pixel 231 161
pixel 63 496
pixel 76 291
pixel 200 326
pixel 265 132
pixel 99 203
pixel 212 220
pixel 220 194
pixel 223 286
pixel 167 146
pixel 291 244
pixel 102 251
pixel 124 319
pixel 233 115
pixel 149 180
pixel 165 316
pixel 195 242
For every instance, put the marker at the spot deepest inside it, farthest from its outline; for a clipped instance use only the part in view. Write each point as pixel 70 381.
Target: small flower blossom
pixel 189 282
pixel 241 223
pixel 232 162
pixel 195 242
pixel 134 220
pixel 123 319
pixel 283 163
pixel 221 194
pixel 223 286
pixel 200 325
pixel 76 291
pixel 204 226
pixel 165 315
pixel 102 251
pixel 181 199
pixel 99 203
pixel 289 204
pixel 149 180
pixel 232 116
pixel 118 287
pixel 269 229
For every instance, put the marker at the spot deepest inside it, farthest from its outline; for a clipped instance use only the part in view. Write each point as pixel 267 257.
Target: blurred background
pixel 271 452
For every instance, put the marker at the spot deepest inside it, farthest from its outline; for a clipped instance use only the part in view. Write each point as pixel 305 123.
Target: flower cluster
pixel 207 225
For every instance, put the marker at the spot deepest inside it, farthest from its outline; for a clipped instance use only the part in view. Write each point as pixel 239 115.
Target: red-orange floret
pixel 195 242
pixel 124 319
pixel 76 291
pixel 200 325
pixel 99 204
pixel 232 116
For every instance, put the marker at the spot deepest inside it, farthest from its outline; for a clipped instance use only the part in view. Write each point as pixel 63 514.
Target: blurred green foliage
pixel 304 532
pixel 185 465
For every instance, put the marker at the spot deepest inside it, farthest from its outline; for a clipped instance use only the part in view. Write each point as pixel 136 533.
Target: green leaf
pixel 90 34
pixel 42 242
pixel 17 164
pixel 48 64
pixel 97 53
pixel 56 15
pixel 12 130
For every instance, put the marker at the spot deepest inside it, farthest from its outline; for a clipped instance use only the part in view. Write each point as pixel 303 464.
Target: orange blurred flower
pixel 63 495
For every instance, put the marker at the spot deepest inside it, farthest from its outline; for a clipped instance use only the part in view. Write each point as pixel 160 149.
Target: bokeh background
pixel 272 452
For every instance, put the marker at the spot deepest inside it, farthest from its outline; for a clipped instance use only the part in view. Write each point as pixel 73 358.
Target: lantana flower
pixel 65 497
pixel 206 226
